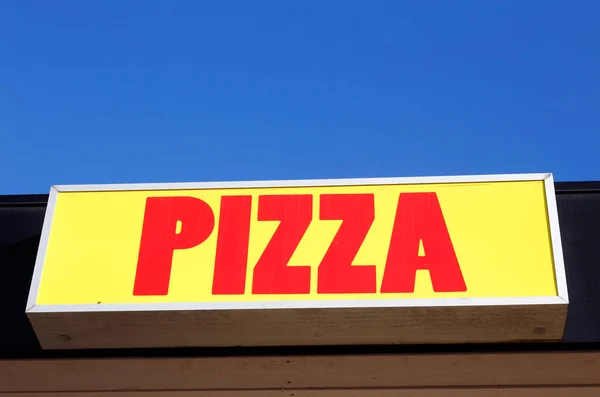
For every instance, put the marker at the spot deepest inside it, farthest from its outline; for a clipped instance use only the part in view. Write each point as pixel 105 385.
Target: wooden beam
pixel 437 392
pixel 302 372
pixel 288 327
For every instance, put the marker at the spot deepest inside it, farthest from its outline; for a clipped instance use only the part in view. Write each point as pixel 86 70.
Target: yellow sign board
pixel 407 241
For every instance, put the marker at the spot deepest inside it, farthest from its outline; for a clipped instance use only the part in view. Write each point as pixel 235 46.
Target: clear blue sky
pixel 162 91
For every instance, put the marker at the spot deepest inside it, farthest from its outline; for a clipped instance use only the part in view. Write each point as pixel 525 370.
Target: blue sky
pixel 163 91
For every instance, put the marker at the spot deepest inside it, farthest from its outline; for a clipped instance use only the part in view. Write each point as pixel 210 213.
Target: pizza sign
pixel 375 240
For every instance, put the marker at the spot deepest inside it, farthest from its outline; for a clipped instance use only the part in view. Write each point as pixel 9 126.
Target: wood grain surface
pixel 289 327
pixel 302 372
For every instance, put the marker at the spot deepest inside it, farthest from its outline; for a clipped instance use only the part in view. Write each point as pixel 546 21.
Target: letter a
pixel 419 218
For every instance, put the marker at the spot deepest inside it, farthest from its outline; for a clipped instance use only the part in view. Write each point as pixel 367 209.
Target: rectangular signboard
pixel 389 260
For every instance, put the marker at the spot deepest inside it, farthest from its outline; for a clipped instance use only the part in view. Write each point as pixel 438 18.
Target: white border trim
pixel 41 254
pixel 300 304
pixel 554 226
pixel 562 297
pixel 303 183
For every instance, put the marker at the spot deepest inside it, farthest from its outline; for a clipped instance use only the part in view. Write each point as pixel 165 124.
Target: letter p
pixel 161 237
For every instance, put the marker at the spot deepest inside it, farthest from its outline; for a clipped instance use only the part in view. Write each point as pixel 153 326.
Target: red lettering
pixel 271 273
pixel 160 238
pixel 419 218
pixel 336 272
pixel 231 259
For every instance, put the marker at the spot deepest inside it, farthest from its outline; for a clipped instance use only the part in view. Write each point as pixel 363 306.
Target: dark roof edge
pixel 23 200
pixel 577 187
pixel 42 199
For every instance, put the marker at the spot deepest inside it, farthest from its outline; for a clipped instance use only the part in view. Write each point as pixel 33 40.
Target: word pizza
pixel 179 223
